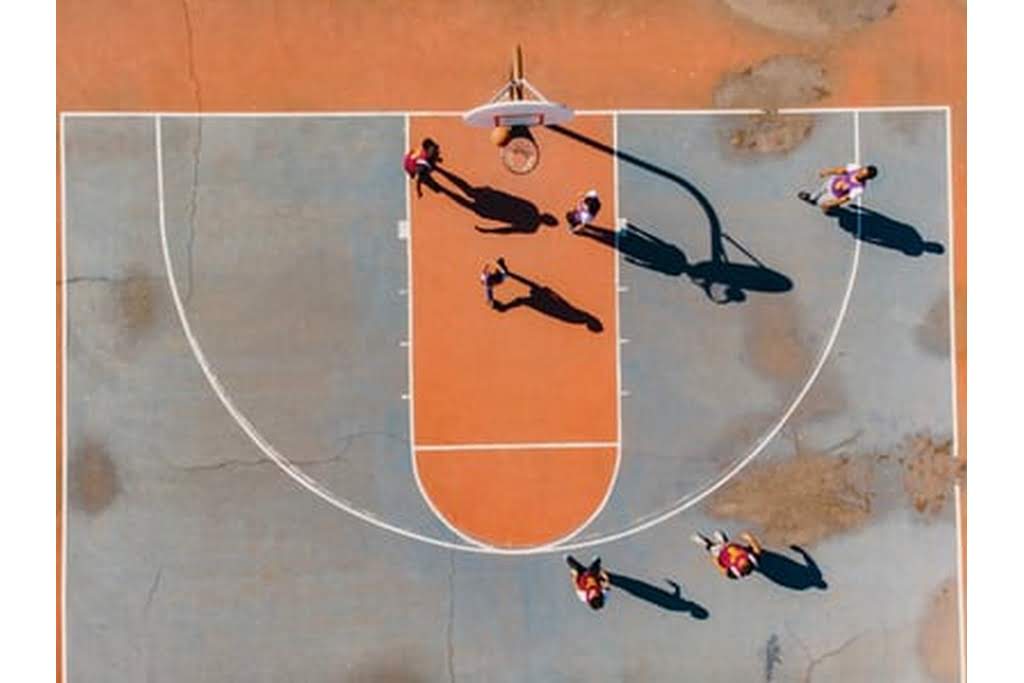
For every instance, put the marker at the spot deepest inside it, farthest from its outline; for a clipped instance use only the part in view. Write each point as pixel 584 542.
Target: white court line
pixel 262 114
pixel 618 349
pixel 314 487
pixel 458 113
pixel 410 353
pixel 64 405
pixel 856 148
pixel 516 446
pixel 618 282
pixel 618 289
pixel 865 110
pixel 961 601
pixel 960 588
pixel 668 112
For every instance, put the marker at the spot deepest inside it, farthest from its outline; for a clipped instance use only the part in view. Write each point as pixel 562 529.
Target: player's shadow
pixel 672 601
pixel 872 227
pixel 640 248
pixel 722 280
pixel 789 573
pixel 517 215
pixel 548 302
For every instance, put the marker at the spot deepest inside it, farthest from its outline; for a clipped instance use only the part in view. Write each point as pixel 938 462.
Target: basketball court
pixel 297 443
pixel 270 333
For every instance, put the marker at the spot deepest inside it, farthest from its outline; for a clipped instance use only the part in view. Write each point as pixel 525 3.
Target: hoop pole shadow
pixel 714 223
pixel 719 269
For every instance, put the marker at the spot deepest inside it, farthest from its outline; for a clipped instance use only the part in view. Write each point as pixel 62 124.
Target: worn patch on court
pixel 737 435
pixel 801 500
pixel 777 82
pixel 929 473
pixel 813 18
pixel 932 333
pixel 779 349
pixel 776 345
pixel 770 133
pixel 94 479
pixel 937 635
pixel 128 305
pixel 819 493
pixel 135 299
pixel 385 669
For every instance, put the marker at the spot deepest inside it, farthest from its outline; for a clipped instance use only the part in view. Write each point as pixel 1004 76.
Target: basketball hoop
pixel 517 107
pixel 520 155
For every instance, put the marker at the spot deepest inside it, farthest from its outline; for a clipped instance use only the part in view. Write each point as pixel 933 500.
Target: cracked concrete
pixel 106 279
pixel 190 50
pixel 772 658
pixel 825 656
pixel 348 441
pixel 196 149
pixel 193 208
pixel 450 630
pixel 152 590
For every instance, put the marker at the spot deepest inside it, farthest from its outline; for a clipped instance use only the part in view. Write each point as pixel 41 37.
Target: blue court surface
pixel 241 502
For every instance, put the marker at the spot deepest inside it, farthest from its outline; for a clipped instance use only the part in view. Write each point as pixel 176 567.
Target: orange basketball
pixel 501 135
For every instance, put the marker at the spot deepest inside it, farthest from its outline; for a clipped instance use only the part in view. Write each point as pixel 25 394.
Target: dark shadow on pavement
pixel 549 302
pixel 880 230
pixel 672 601
pixel 640 248
pixel 790 574
pixel 517 215
pixel 726 282
pixel 722 281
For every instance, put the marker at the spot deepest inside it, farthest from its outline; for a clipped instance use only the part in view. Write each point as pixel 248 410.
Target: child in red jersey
pixel 590 583
pixel 419 164
pixel 732 559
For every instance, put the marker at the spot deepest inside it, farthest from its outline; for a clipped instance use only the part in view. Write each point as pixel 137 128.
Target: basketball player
pixel 419 164
pixel 842 184
pixel 590 583
pixel 584 212
pixel 734 560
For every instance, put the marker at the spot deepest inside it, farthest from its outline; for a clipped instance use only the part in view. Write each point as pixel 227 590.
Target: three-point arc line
pixel 317 489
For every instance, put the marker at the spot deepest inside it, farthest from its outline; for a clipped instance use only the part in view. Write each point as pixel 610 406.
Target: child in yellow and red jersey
pixel 733 559
pixel 590 583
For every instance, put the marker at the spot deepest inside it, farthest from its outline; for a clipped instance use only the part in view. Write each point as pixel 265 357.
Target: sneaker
pixel 701 541
pixel 805 196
